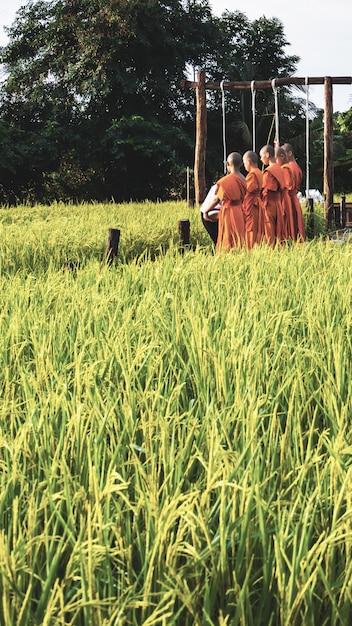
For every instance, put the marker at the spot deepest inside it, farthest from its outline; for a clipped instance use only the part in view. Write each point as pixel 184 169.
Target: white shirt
pixel 209 199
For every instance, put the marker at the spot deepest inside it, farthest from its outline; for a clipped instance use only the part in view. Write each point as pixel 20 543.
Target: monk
pixel 272 191
pixel 252 206
pixel 300 234
pixel 230 191
pixel 290 211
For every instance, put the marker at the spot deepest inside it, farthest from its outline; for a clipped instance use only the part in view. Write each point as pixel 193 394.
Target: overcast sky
pixel 319 33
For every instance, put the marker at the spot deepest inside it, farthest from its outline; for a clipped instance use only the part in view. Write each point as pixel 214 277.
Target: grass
pixel 175 440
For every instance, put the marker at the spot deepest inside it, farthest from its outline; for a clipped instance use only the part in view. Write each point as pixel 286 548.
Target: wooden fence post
pixel 337 216
pixel 184 229
pixel 310 206
pixel 343 211
pixel 112 245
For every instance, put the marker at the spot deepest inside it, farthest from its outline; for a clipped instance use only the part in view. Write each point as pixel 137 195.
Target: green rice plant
pixel 35 238
pixel 175 440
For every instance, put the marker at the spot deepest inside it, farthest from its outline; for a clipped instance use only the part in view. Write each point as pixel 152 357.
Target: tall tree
pixel 92 93
pixel 95 66
pixel 253 50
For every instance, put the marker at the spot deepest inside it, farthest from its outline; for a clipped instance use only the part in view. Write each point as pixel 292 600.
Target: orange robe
pixel 231 190
pixel 290 211
pixel 252 208
pixel 273 186
pixel 296 206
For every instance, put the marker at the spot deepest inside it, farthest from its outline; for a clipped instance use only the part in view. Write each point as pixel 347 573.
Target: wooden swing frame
pixel 201 87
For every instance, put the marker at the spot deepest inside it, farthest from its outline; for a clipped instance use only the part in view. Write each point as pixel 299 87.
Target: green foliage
pixel 252 50
pixel 152 150
pixel 342 142
pixel 343 150
pixel 175 441
pixel 79 66
pixel 91 89
pixel 256 48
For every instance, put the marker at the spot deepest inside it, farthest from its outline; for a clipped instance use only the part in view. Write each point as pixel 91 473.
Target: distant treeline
pixel 91 105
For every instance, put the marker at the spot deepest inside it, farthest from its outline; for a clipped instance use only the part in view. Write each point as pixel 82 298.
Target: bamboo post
pixel 328 151
pixel 201 140
pixel 112 246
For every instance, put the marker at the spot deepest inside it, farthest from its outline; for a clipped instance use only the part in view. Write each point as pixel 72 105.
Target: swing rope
pixel 276 139
pixel 223 125
pixel 307 137
pixel 253 115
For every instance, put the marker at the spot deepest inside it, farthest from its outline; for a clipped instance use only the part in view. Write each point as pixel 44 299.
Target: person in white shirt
pixel 210 223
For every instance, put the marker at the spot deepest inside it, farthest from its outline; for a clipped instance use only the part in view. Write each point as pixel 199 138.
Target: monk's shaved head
pixel 251 156
pixel 235 159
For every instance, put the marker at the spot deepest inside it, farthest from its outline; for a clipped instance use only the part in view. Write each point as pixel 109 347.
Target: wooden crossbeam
pixel 267 84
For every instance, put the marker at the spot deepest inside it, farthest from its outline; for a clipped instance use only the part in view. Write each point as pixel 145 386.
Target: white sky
pixel 319 33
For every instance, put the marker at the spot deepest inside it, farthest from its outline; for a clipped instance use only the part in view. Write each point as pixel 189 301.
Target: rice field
pixel 175 430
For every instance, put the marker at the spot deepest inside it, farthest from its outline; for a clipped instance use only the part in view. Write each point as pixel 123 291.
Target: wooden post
pixel 201 140
pixel 184 230
pixel 112 245
pixel 310 206
pixel 343 211
pixel 187 186
pixel 71 265
pixel 190 198
pixel 336 214
pixel 328 151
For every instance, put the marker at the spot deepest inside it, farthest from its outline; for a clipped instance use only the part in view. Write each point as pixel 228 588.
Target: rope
pixel 223 126
pixel 307 138
pixel 276 139
pixel 253 115
pixel 270 131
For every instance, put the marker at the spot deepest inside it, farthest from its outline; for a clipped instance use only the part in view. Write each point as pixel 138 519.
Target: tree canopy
pixel 91 104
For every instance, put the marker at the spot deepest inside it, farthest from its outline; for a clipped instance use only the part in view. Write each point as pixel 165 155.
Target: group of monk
pixel 261 206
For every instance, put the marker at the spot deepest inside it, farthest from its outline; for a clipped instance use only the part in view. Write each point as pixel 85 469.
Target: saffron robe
pixel 290 211
pixel 231 190
pixel 252 208
pixel 274 216
pixel 296 206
